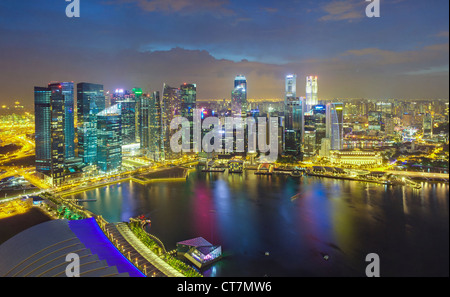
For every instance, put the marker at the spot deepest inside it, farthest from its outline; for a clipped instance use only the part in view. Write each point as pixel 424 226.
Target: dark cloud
pixel 129 43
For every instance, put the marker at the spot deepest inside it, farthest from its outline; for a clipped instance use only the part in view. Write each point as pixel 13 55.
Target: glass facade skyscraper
pixel 144 102
pixel 311 91
pixel 42 111
pixel 69 121
pixel 293 118
pixel 90 101
pixel 154 127
pixel 188 98
pixel 291 88
pixel 335 125
pixel 239 96
pixel 170 106
pixel 315 129
pixel 109 139
pixel 50 132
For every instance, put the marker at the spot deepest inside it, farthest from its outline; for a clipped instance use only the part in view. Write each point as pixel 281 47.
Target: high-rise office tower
pixel 154 127
pixel 375 120
pixel 135 96
pixel 69 124
pixel 144 102
pixel 188 98
pixel 315 130
pixel 311 91
pixel 427 126
pixel 335 125
pixel 90 101
pixel 109 139
pixel 49 132
pixel 170 108
pixel 42 109
pixel 293 118
pixel 239 96
pixel 291 88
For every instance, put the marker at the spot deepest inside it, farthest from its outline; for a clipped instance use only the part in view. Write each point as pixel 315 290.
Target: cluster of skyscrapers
pixel 90 138
pixel 310 128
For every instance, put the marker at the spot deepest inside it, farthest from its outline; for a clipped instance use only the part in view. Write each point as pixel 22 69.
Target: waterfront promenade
pixel 141 252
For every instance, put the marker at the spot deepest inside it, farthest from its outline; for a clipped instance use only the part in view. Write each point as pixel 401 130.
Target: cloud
pixel 436 53
pixel 270 9
pixel 346 10
pixel 431 70
pixel 216 7
pixel 443 34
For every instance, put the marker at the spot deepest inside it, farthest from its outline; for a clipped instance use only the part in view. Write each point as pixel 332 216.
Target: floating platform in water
pixel 199 251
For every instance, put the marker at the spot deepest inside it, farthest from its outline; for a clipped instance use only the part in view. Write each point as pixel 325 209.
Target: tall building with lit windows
pixel 144 102
pixel 293 119
pixel 311 91
pixel 427 126
pixel 109 139
pixel 50 132
pixel 154 127
pixel 90 101
pixel 69 117
pixel 188 99
pixel 290 88
pixel 239 96
pixel 335 125
pixel 170 108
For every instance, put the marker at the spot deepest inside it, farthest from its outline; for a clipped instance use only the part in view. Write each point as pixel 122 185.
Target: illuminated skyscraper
pixel 188 97
pixel 427 126
pixel 315 130
pixel 90 101
pixel 49 132
pixel 335 125
pixel 311 91
pixel 239 96
pixel 154 127
pixel 109 139
pixel 42 108
pixel 144 102
pixel 170 106
pixel 293 119
pixel 69 126
pixel 291 88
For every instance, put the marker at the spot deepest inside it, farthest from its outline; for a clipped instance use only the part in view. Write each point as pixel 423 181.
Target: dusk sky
pixel 145 43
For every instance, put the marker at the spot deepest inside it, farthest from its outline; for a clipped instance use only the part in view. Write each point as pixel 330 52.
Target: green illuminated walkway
pixel 145 252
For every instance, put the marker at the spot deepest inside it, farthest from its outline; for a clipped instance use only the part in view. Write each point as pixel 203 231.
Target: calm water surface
pixel 296 220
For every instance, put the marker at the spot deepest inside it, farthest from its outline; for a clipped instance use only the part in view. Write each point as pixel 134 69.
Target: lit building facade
pixel 335 125
pixel 312 89
pixel 144 103
pixel 239 96
pixel 170 106
pixel 69 118
pixel 50 132
pixel 188 99
pixel 109 139
pixel 90 101
pixel 427 126
pixel 294 109
pixel 154 127
pixel 290 88
pixel 315 124
pixel 356 158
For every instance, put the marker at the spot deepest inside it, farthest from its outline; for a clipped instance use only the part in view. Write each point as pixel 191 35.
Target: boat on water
pixel 296 173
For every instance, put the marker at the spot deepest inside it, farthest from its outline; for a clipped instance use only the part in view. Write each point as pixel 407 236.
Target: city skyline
pixel 204 42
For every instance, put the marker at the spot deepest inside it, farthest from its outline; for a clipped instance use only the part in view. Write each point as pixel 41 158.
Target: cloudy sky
pixel 145 43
